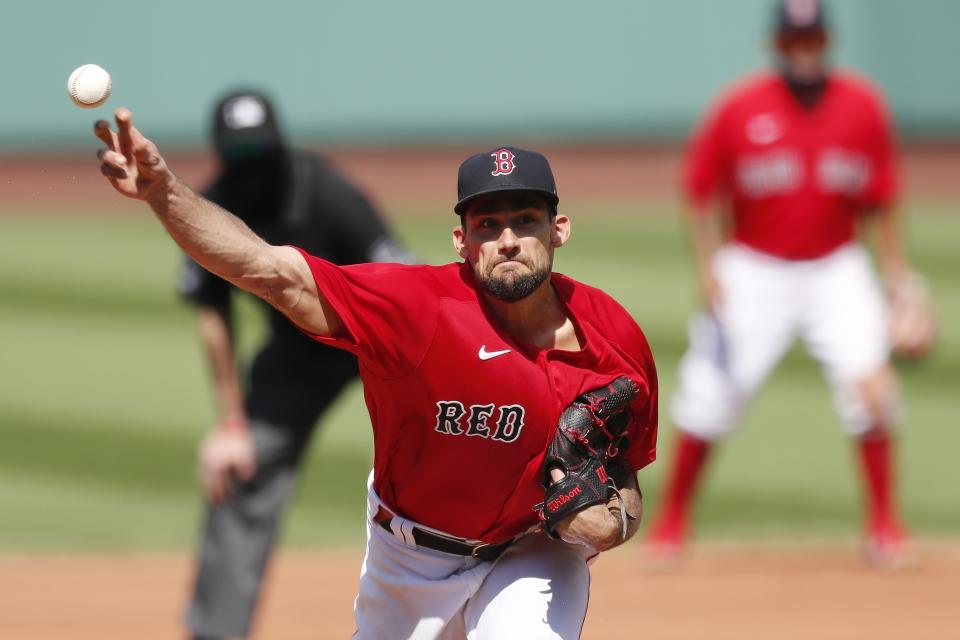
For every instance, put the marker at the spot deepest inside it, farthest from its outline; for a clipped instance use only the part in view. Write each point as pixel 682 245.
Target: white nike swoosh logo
pixel 486 355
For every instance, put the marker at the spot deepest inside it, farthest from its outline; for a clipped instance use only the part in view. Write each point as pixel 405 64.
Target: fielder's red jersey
pixel 462 412
pixel 796 179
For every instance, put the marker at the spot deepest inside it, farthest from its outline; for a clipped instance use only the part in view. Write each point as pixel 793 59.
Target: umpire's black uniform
pixel 286 197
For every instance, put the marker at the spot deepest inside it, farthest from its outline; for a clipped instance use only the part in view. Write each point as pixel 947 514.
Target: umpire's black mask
pixel 252 154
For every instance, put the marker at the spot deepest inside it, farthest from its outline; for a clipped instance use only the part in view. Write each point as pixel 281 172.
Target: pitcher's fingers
pixel 124 124
pixel 112 158
pixel 145 151
pixel 136 137
pixel 101 129
pixel 113 172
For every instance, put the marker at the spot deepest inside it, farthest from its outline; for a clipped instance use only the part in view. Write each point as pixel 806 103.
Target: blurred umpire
pixel 248 462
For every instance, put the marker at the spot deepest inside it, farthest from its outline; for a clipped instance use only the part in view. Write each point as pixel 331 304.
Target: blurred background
pixel 103 389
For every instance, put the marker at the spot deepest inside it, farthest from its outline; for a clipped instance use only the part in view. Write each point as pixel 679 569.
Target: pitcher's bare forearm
pixel 223 244
pixel 213 237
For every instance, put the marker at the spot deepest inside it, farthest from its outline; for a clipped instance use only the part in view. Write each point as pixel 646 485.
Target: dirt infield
pixel 718 593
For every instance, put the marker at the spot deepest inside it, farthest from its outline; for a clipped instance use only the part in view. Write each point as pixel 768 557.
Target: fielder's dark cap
pixel 800 16
pixel 245 121
pixel 504 169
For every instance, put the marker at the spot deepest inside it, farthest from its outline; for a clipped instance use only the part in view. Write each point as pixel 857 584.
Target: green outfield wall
pixel 372 72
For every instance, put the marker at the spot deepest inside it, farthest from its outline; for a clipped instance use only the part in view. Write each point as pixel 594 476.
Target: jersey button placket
pixel 553 378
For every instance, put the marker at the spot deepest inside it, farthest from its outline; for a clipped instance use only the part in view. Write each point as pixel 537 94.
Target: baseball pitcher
pixel 511 406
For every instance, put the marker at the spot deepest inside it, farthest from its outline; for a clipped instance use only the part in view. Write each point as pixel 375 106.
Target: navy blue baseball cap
pixel 504 169
pixel 800 17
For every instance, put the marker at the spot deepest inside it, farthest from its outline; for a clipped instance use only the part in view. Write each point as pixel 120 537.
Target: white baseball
pixel 89 86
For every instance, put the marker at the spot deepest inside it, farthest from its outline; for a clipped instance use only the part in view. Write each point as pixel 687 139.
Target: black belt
pixel 455 546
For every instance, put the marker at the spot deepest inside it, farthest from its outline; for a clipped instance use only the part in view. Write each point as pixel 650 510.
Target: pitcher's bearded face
pixel 509 237
pixel 515 281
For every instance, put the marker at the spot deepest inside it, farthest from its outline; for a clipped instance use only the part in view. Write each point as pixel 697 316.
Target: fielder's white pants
pixel 833 304
pixel 538 589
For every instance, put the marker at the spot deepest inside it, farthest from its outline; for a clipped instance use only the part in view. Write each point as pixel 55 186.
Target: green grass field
pixel 104 395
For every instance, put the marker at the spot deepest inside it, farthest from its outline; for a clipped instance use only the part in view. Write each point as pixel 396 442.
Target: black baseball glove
pixel 589 436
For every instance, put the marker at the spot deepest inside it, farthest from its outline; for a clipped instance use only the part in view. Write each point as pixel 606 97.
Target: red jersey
pixel 462 412
pixel 796 179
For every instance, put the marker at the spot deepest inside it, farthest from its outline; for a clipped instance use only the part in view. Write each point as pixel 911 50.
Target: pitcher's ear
pixel 459 242
pixel 561 231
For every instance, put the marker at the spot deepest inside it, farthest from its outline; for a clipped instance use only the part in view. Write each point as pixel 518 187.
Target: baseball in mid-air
pixel 89 86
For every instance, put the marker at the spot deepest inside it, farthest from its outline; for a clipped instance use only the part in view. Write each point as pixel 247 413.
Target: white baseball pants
pixel 834 304
pixel 538 589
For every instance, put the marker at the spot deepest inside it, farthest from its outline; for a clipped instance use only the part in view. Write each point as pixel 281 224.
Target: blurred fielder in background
pixel 799 158
pixel 248 461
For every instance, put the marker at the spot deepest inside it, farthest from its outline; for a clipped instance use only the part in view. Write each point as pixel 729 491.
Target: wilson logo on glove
pixel 559 501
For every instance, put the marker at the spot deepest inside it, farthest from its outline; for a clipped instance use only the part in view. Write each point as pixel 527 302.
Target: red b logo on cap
pixel 503 160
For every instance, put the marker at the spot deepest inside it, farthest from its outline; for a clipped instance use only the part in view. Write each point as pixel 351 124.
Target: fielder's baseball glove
pixel 589 435
pixel 913 322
